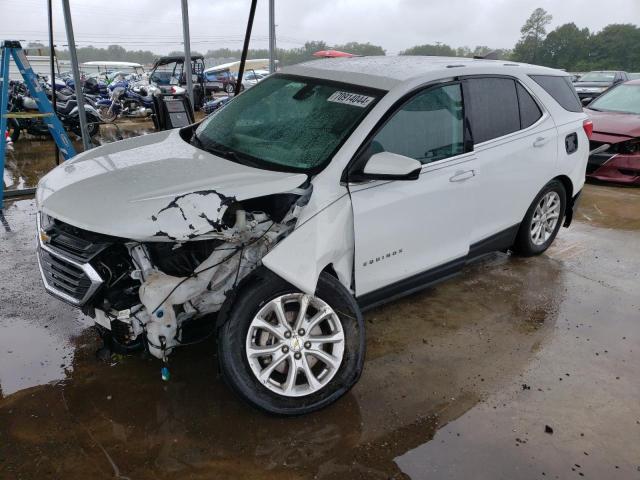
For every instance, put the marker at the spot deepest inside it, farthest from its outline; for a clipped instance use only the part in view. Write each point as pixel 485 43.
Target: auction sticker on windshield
pixel 349 98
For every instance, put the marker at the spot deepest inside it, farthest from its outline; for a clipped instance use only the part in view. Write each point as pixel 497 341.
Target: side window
pixel 529 110
pixel 493 108
pixel 429 127
pixel 561 89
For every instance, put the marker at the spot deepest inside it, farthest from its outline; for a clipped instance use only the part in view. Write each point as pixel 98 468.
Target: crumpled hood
pixel 153 187
pixel 624 124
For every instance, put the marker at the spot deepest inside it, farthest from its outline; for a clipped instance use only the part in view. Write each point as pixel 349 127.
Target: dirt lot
pixel 517 369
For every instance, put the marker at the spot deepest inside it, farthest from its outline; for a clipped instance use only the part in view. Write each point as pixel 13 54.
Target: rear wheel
pixel 542 221
pixel 290 353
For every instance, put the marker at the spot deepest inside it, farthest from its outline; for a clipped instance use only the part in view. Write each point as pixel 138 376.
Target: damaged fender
pixel 321 240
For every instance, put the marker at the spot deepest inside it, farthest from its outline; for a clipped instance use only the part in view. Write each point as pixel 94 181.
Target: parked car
pixel 251 77
pixel 593 84
pixel 219 80
pixel 322 191
pixel 615 143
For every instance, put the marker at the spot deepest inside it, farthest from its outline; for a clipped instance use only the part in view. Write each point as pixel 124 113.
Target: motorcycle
pixel 66 110
pixel 215 104
pixel 126 100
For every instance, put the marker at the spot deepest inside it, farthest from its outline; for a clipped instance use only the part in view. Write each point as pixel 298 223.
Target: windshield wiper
pixel 225 152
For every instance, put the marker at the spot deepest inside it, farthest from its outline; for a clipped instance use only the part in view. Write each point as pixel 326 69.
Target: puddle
pixel 31 356
pixel 610 206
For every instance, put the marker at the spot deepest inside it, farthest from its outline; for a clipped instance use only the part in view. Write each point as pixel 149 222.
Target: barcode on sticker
pixel 349 98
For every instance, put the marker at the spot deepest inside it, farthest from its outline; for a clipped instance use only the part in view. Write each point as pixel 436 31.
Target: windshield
pixel 624 99
pixel 286 122
pixel 598 77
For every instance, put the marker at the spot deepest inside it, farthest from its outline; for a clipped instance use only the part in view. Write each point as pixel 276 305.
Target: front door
pixel 407 230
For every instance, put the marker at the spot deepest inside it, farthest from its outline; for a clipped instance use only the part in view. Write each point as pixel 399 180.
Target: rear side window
pixel 561 89
pixel 529 110
pixel 493 108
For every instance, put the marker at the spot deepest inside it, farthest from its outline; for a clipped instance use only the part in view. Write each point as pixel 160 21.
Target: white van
pixel 323 190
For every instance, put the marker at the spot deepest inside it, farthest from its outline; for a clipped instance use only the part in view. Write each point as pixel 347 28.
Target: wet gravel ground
pixel 517 369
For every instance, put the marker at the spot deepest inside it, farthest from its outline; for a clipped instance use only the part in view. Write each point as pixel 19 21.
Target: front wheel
pixel 229 88
pixel 289 353
pixel 542 221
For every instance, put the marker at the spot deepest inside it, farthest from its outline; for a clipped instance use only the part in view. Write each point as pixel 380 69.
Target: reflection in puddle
pixel 31 356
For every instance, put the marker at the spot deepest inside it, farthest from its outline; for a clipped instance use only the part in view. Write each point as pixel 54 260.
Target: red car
pixel 615 143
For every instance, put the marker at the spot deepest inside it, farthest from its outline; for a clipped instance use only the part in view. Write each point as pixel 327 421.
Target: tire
pixel 229 88
pixel 542 221
pixel 93 126
pixel 106 116
pixel 239 333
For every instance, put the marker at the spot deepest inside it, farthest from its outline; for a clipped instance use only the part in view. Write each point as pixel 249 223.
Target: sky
pixel 156 25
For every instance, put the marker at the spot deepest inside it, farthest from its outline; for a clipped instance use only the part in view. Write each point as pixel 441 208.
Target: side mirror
pixel 391 166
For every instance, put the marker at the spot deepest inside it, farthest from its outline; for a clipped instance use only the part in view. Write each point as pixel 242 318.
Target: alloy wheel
pixel 295 344
pixel 545 218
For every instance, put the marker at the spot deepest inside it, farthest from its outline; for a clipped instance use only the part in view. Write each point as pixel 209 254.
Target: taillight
pixel 588 128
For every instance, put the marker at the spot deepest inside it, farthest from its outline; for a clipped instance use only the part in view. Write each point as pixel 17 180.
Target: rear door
pixel 405 228
pixel 515 145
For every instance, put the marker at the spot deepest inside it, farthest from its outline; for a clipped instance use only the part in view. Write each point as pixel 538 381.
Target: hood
pixel 151 188
pixel 623 124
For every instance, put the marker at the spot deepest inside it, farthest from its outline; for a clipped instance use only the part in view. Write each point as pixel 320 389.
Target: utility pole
pixel 52 70
pixel 76 74
pixel 272 37
pixel 187 50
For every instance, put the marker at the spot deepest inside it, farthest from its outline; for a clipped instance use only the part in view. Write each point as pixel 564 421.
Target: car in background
pixel 219 80
pixel 593 84
pixel 634 76
pixel 252 77
pixel 615 144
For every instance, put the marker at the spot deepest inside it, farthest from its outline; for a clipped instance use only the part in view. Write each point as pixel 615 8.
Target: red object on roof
pixel 332 54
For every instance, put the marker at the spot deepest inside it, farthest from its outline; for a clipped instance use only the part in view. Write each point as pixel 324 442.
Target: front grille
pixel 64 276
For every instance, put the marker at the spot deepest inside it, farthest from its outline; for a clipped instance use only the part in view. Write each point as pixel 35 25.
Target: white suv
pixel 324 190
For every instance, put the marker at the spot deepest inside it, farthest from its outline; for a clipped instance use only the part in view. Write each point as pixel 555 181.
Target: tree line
pixel 615 47
pixel 567 47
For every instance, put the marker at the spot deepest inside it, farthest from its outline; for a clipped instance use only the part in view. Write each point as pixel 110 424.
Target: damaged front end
pixel 145 292
pixel 614 159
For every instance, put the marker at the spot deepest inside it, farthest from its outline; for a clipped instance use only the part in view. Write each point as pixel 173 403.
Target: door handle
pixel 540 142
pixel 462 176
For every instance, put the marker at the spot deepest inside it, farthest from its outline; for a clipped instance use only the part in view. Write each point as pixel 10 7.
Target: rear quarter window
pixel 529 110
pixel 561 89
pixel 493 107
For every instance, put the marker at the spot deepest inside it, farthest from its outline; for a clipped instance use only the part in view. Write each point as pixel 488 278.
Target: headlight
pixel 46 222
pixel 629 147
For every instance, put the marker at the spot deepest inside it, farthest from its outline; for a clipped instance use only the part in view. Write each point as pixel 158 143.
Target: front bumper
pixel 618 168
